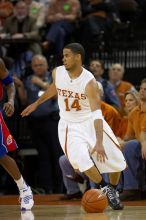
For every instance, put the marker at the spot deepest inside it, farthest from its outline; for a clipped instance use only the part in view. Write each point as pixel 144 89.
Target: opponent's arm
pixel 7 80
pixel 49 93
pixel 93 94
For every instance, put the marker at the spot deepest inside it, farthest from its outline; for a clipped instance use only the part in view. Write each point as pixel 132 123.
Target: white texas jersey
pixel 73 103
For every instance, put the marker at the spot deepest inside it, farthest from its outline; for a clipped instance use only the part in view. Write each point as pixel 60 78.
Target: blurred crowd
pixel 32 37
pixel 32 27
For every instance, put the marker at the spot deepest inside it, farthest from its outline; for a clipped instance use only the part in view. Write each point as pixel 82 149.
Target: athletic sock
pixel 21 184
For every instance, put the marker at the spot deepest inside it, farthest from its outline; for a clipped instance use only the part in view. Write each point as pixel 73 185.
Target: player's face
pixel 142 92
pixel 69 59
pixel 130 102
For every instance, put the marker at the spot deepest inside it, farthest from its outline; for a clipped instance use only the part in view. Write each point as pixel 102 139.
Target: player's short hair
pixel 76 48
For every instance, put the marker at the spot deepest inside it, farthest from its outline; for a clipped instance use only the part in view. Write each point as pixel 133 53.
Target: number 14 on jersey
pixel 75 104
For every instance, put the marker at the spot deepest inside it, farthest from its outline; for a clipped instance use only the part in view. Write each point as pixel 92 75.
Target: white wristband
pixel 97 115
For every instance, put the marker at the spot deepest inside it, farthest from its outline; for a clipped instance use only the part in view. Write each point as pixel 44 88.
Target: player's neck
pixel 75 73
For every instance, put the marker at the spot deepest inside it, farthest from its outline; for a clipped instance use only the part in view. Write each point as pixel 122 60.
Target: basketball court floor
pixel 49 207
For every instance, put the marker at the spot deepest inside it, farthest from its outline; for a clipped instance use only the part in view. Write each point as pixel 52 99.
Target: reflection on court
pixel 70 212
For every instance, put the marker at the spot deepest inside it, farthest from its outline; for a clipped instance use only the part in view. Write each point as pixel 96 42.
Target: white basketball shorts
pixel 77 141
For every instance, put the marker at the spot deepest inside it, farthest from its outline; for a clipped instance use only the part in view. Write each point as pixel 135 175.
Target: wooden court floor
pixel 49 207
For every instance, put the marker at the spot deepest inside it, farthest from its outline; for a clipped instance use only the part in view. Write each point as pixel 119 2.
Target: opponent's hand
pixel 29 109
pixel 101 155
pixel 8 108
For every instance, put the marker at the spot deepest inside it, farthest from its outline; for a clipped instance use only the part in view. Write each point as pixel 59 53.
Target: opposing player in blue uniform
pixel 7 142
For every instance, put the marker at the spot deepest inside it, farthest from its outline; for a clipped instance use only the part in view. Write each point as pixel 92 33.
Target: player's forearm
pixel 98 123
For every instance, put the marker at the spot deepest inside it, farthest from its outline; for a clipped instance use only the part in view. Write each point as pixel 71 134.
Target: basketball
pixel 94 201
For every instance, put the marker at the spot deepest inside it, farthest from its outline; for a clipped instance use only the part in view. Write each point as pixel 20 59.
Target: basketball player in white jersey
pixel 85 137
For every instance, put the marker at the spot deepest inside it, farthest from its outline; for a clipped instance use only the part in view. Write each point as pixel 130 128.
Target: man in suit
pixel 23 30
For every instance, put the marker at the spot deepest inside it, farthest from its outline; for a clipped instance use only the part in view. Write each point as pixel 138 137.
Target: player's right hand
pixel 101 155
pixel 29 109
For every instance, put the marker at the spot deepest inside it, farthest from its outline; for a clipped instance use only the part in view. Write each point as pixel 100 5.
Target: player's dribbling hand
pixel 101 155
pixel 28 110
pixel 8 108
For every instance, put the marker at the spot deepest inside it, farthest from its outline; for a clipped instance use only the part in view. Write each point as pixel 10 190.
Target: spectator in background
pixel 38 11
pixel 128 9
pixel 116 74
pixel 131 101
pixel 43 124
pixel 142 4
pixel 135 150
pixel 98 17
pixel 21 26
pixel 61 19
pixel 6 10
pixel 45 2
pixel 97 68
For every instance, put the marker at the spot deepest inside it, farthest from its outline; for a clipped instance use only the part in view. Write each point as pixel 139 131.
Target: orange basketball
pixel 94 201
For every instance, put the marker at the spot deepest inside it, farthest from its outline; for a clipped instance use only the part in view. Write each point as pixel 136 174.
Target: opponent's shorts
pixel 7 142
pixel 77 141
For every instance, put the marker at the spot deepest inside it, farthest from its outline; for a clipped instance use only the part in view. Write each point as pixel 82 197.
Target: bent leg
pixel 93 175
pixel 26 196
pixel 114 178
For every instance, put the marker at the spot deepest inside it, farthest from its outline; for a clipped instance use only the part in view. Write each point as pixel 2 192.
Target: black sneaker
pixel 113 197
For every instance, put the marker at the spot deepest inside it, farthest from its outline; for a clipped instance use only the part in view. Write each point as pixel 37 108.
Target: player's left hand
pixel 29 109
pixel 8 108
